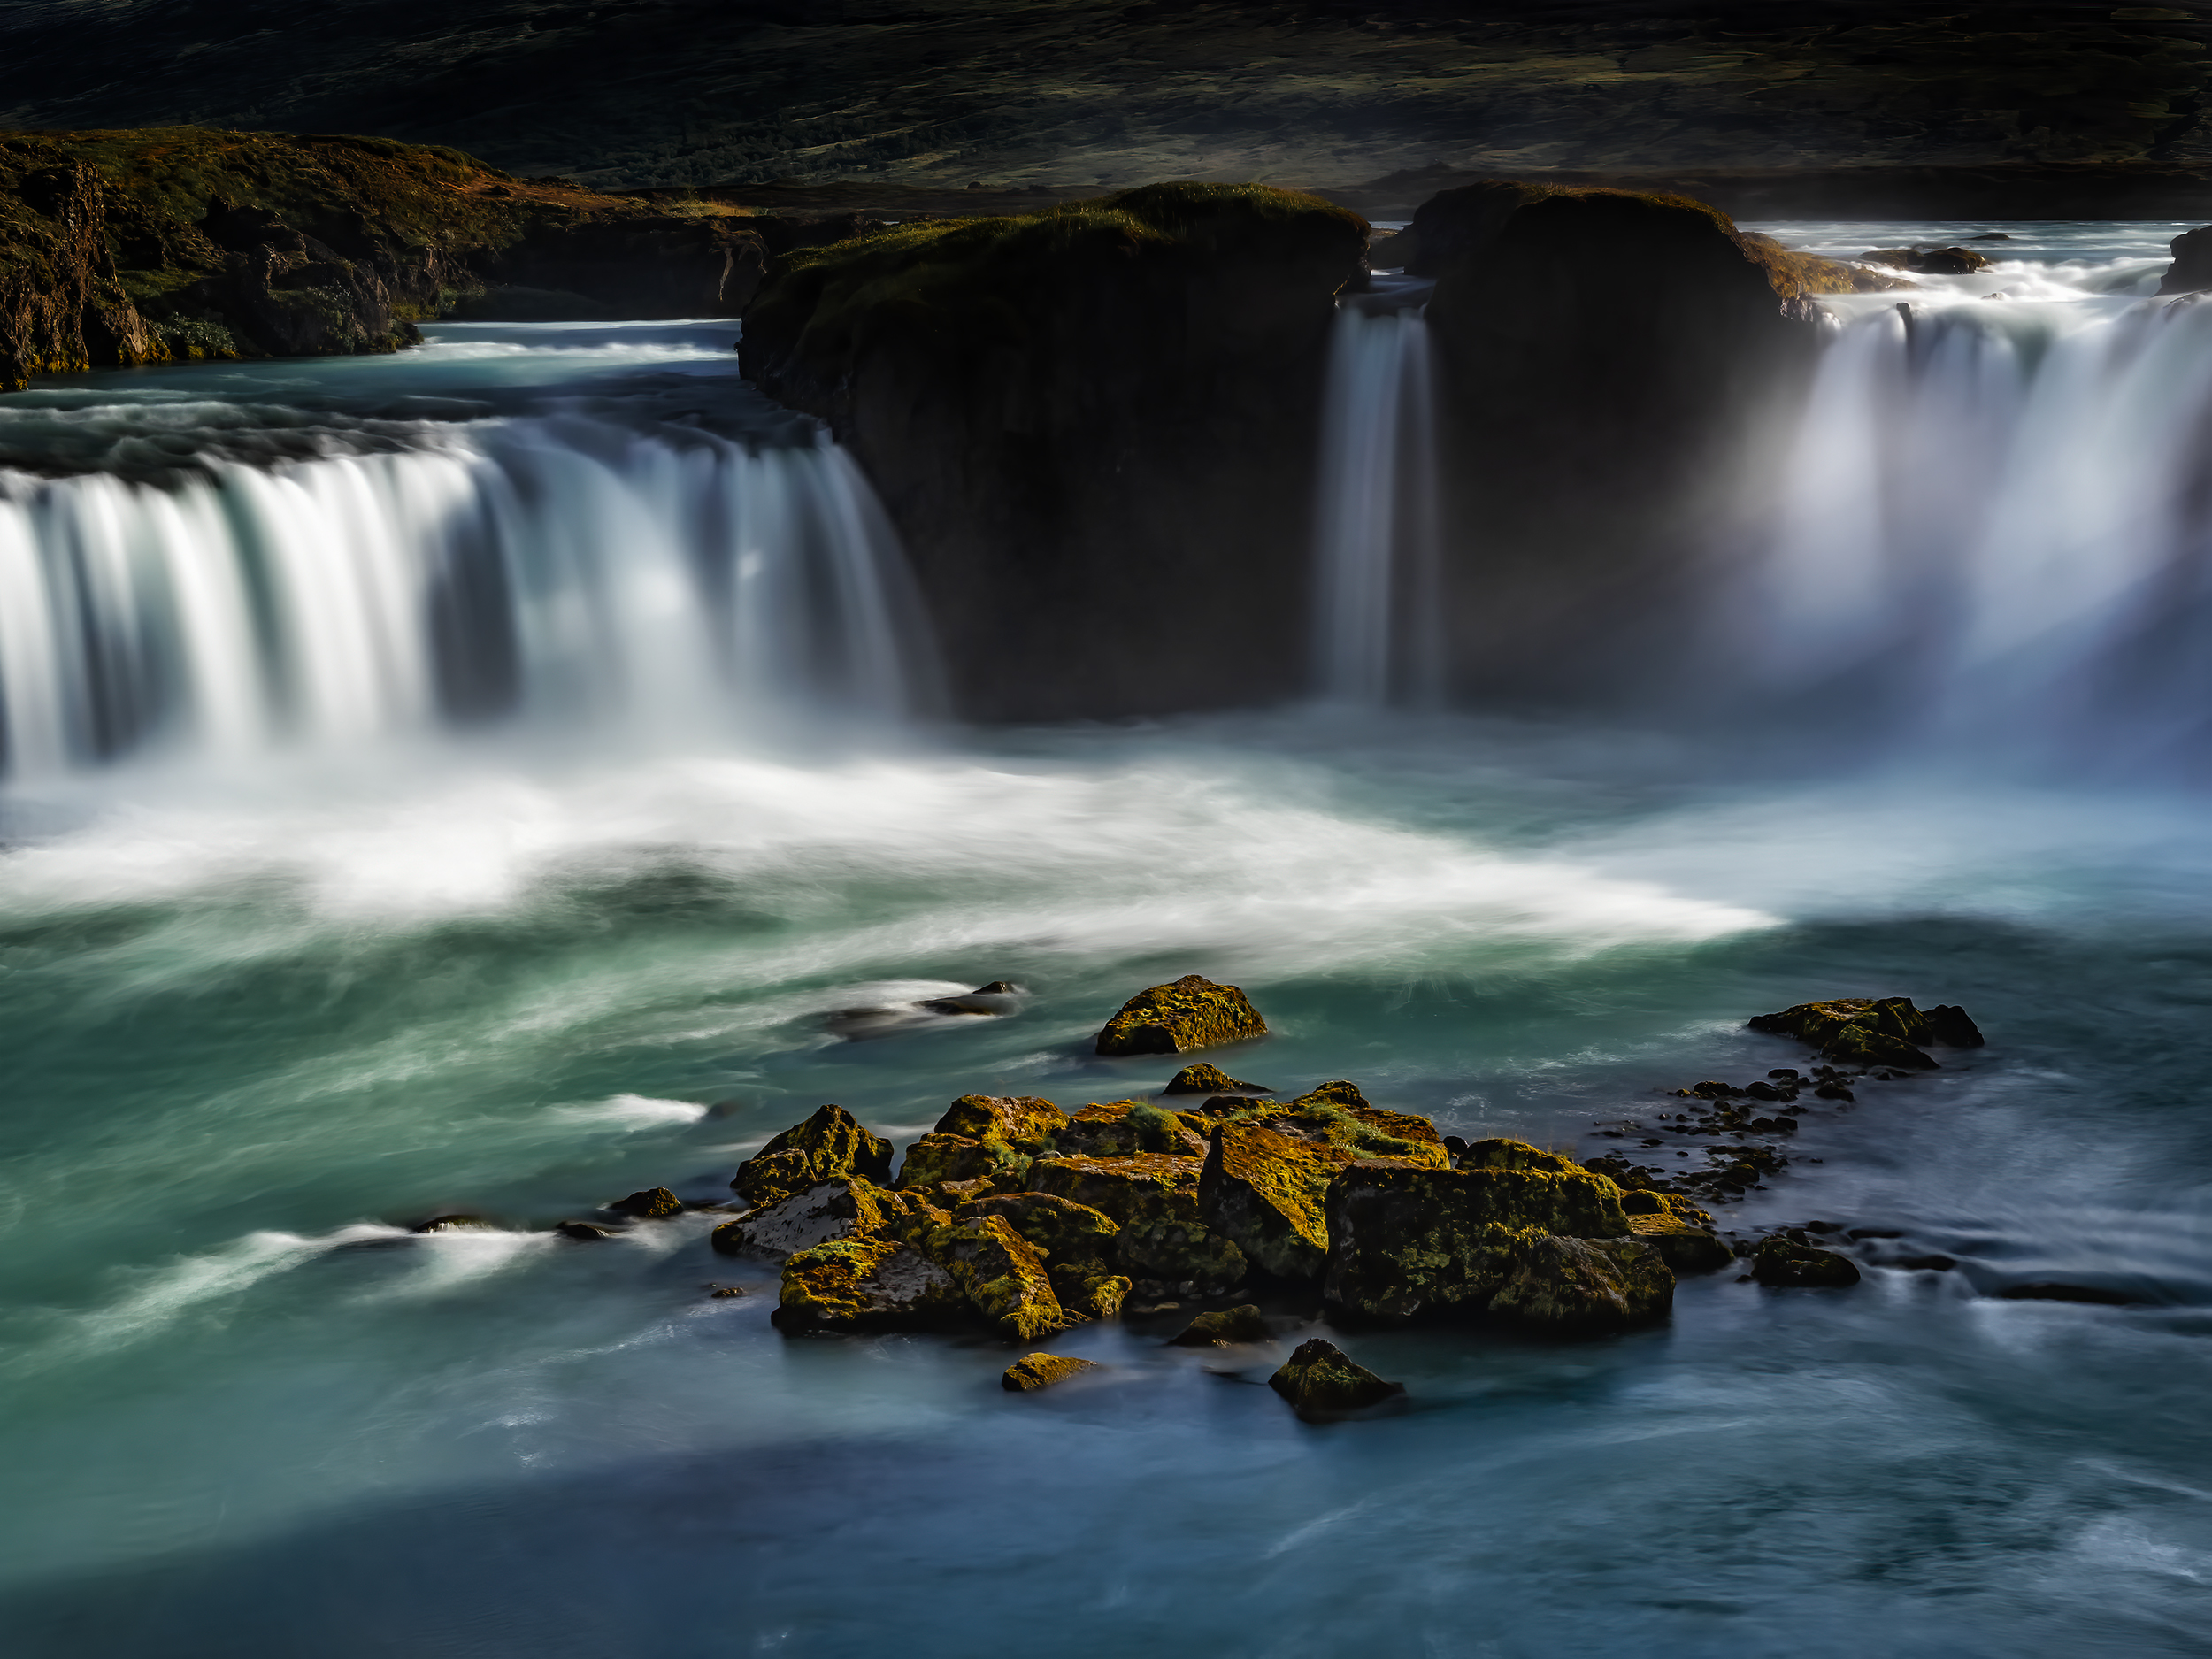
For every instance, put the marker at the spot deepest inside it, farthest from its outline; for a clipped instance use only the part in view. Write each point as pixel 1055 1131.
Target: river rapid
pixel 268 1003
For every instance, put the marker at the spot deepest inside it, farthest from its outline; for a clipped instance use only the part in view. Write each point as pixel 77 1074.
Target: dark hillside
pixel 948 92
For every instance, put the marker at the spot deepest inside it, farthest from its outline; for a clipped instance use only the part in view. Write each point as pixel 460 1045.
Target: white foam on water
pixel 633 1112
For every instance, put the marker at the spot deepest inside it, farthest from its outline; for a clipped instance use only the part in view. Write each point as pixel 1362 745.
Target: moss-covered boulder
pixel 1194 1012
pixel 848 1207
pixel 1033 1372
pixel 1062 1232
pixel 1501 1152
pixel 654 1203
pixel 1119 1128
pixel 1210 1080
pixel 1000 1275
pixel 1153 1196
pixel 948 1160
pixel 829 1144
pixel 1224 1327
pixel 1782 1260
pixel 1262 1190
pixel 1321 1381
pixel 868 1284
pixel 1021 1121
pixel 1584 1286
pixel 1873 1031
pixel 1407 1243
pixel 1084 1289
pixel 1686 1247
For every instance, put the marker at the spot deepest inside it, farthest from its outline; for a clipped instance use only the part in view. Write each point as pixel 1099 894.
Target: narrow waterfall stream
pixel 1377 640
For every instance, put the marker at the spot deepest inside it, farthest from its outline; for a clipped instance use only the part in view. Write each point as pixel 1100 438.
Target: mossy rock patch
pixel 1321 1381
pixel 829 1144
pixel 1192 1012
pixel 1033 1372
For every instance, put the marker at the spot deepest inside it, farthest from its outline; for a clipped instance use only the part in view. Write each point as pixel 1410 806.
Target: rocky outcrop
pixel 826 1146
pixel 1321 1381
pixel 2191 272
pixel 1093 427
pixel 1781 1260
pixel 118 247
pixel 1001 1277
pixel 654 1203
pixel 1867 1031
pixel 1602 356
pixel 1585 1285
pixel 848 1207
pixel 871 1284
pixel 1226 1327
pixel 1682 1233
pixel 63 307
pixel 1929 261
pixel 1407 1243
pixel 1152 1197
pixel 1210 1080
pixel 1194 1012
pixel 1033 1372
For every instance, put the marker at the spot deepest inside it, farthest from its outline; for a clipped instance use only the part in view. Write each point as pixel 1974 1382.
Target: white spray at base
pixel 1377 638
pixel 1995 534
pixel 556 570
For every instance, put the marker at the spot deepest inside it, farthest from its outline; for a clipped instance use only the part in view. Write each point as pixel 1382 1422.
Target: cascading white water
pixel 551 569
pixel 1377 638
pixel 2002 515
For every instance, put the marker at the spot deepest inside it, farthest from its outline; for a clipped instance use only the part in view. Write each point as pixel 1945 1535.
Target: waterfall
pixel 1996 531
pixel 1377 634
pixel 558 571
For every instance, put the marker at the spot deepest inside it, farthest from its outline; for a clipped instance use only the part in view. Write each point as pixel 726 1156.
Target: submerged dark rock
pixel 2099 1295
pixel 1223 1329
pixel 1586 1285
pixel 1320 1381
pixel 1782 1260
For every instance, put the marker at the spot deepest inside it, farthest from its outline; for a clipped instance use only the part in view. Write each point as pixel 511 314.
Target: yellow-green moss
pixel 1192 1012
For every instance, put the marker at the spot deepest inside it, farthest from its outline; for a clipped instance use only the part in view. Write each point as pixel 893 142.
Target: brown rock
pixel 1321 1382
pixel 1033 1372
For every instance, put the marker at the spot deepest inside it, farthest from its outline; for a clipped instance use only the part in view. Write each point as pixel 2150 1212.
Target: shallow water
pixel 258 1023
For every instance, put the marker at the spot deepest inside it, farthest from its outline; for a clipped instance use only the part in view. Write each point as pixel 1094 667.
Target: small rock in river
pixel 654 1203
pixel 584 1231
pixel 1192 1012
pixel 1320 1381
pixel 1781 1261
pixel 1241 1323
pixel 1034 1372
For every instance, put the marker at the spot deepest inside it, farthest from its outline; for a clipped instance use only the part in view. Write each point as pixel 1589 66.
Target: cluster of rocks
pixel 1015 1215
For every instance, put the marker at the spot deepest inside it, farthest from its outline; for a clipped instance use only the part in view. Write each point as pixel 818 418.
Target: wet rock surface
pixel 1194 1012
pixel 1320 1381
pixel 1075 1215
pixel 1034 1372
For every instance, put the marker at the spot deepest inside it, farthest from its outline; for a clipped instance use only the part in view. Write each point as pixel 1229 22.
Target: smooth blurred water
pixel 257 1024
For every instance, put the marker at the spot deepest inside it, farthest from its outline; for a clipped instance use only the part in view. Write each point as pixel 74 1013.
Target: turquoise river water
pixel 264 1008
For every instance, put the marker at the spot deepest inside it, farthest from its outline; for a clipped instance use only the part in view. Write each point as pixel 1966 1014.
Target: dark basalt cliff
pixel 1095 428
pixel 119 248
pixel 1603 356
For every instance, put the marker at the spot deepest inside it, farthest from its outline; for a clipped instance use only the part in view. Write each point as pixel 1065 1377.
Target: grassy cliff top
pixel 336 186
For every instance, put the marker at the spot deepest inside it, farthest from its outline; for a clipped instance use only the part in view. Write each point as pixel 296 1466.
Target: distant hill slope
pixel 946 92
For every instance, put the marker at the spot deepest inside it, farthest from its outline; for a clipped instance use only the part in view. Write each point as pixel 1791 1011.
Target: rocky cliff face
pixel 1605 360
pixel 62 306
pixel 181 242
pixel 1094 428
